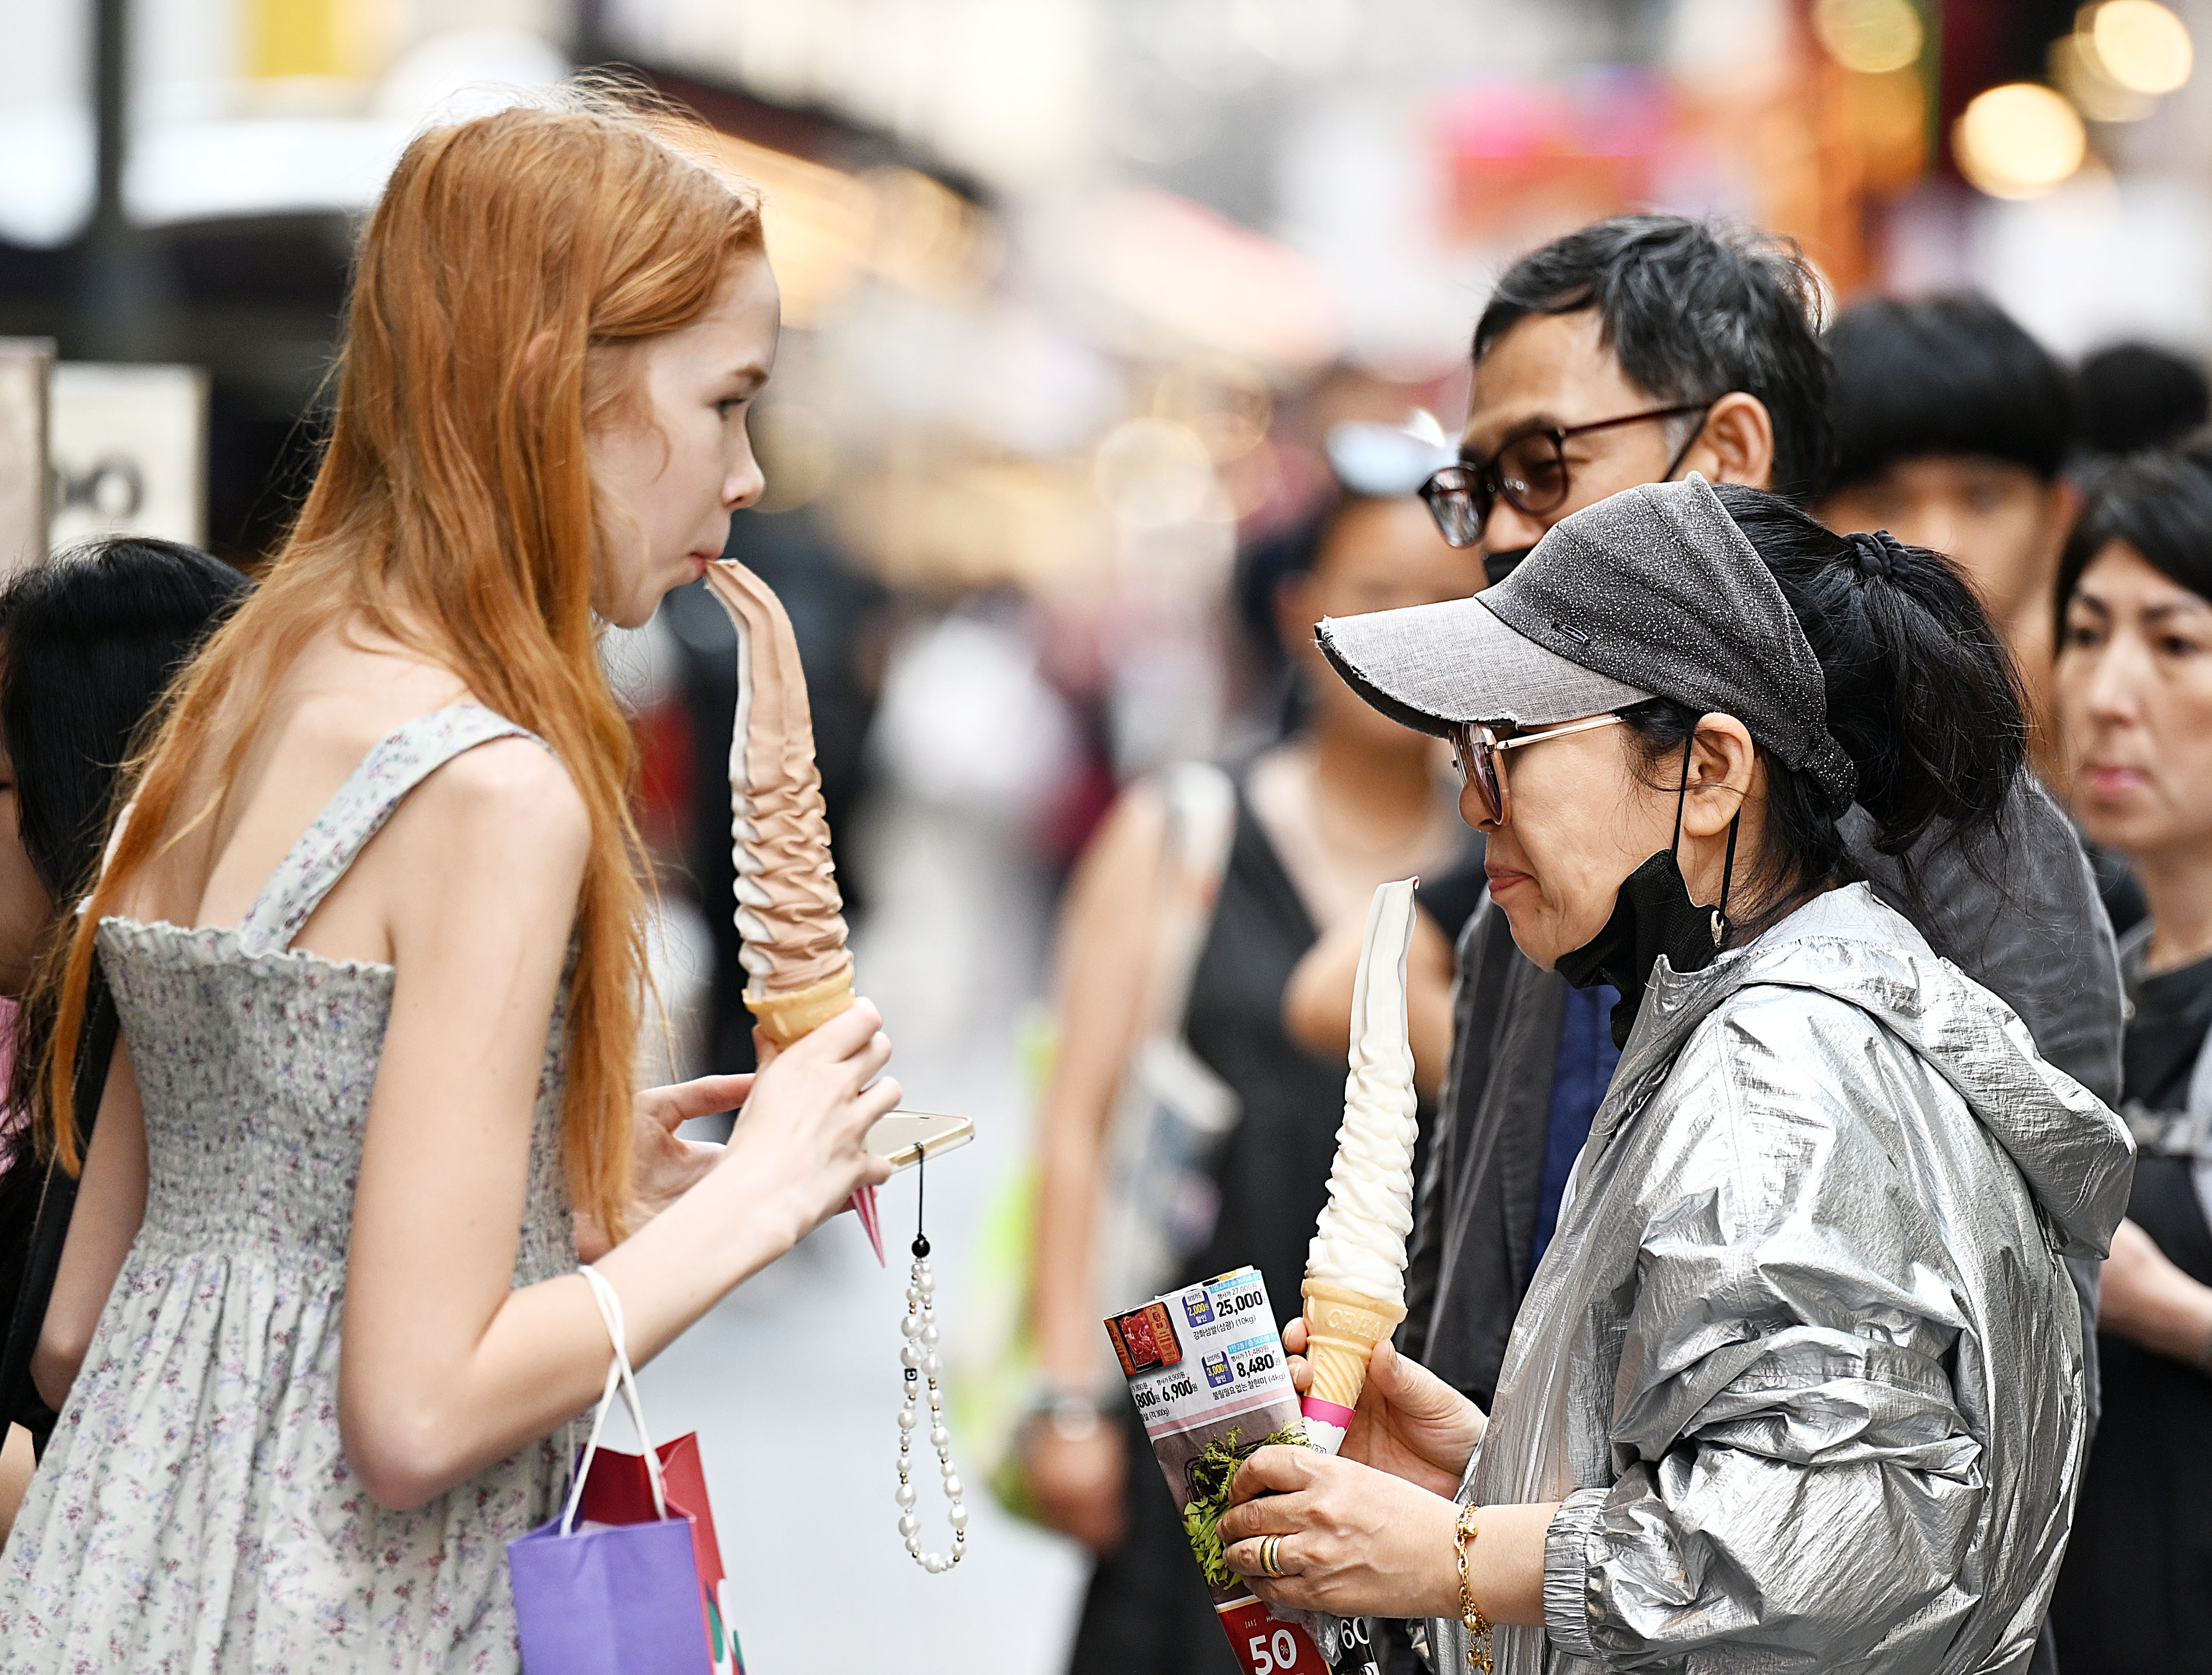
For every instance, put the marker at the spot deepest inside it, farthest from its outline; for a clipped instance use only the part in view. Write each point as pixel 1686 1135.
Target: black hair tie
pixel 1876 555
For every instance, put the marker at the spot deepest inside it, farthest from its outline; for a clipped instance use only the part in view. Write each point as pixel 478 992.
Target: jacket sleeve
pixel 1794 1474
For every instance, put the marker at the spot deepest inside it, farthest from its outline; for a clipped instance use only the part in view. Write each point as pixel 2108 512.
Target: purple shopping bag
pixel 611 1599
pixel 622 1599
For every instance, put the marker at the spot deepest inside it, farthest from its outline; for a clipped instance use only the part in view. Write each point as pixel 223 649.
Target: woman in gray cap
pixel 1797 1384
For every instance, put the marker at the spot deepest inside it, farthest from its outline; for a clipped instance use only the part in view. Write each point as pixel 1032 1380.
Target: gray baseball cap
pixel 1652 593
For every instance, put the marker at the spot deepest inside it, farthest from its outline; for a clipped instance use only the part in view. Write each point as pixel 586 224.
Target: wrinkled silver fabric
pixel 1802 1362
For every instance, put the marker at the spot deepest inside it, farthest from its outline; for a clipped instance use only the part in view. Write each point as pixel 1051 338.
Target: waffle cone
pixel 1343 1327
pixel 785 1018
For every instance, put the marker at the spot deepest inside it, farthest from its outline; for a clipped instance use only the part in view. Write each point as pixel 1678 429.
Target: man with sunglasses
pixel 1637 350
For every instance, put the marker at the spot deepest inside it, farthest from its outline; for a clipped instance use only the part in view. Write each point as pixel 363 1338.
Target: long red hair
pixel 454 511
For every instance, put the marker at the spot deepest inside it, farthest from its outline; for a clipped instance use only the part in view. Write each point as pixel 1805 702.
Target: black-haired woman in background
pixel 1798 1384
pixel 88 644
pixel 2134 706
pixel 1300 839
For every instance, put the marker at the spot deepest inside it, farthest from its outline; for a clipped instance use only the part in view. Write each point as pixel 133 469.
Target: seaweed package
pixel 1209 1378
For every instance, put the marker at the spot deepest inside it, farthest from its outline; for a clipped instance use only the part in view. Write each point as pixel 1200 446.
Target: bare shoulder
pixel 512 793
pixel 1102 919
pixel 489 848
pixel 1131 841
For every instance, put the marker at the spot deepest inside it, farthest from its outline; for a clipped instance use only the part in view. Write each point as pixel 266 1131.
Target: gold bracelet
pixel 1478 1626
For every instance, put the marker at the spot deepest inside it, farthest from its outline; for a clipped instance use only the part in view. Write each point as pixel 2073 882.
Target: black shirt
pixel 2172 1011
pixel 2136 1593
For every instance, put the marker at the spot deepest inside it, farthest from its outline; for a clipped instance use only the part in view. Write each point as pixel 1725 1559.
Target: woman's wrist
pixel 733 1222
pixel 1439 1593
pixel 1466 1530
pixel 1066 1358
pixel 1476 1424
pixel 1062 1415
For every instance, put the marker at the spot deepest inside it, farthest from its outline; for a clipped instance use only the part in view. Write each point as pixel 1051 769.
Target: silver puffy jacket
pixel 1801 1361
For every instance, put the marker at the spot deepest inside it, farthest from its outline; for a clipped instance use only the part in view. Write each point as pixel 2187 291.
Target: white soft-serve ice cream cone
pixel 1355 1283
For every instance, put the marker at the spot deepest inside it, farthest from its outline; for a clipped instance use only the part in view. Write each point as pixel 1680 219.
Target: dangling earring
pixel 919 1360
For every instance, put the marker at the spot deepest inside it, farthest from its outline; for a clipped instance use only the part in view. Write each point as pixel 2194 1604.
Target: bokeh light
pixel 2081 75
pixel 2019 140
pixel 2140 46
pixel 1154 472
pixel 1870 36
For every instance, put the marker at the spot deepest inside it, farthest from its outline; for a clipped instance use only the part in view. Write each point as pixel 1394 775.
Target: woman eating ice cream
pixel 1797 1384
pixel 374 934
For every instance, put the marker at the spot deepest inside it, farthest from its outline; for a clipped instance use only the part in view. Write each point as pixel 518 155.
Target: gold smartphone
pixel 908 1136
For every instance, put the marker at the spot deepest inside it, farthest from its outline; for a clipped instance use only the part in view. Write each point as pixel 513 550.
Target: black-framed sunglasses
pixel 1529 474
pixel 1480 751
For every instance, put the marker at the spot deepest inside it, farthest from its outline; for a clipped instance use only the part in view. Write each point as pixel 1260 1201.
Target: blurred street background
pixel 1073 291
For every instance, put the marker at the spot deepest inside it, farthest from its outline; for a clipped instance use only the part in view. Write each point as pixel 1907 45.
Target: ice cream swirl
pixel 788 911
pixel 1360 1240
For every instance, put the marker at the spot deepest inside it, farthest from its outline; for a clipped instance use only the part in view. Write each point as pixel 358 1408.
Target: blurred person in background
pixel 1636 351
pixel 1383 461
pixel 1347 802
pixel 88 642
pixel 1952 427
pixel 2134 698
pixel 2136 397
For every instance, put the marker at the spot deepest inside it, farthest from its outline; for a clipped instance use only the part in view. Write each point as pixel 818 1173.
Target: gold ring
pixel 1268 1561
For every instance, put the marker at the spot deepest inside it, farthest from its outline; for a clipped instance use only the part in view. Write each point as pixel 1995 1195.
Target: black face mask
pixel 1496 566
pixel 1652 915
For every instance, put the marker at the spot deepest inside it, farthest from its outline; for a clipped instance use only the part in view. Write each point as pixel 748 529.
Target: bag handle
pixel 618 1374
pixel 1201 805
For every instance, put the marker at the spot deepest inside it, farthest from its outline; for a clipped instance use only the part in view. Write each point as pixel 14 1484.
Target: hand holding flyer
pixel 1209 1378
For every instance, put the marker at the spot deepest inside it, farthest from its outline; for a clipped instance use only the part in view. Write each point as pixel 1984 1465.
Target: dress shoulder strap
pixel 401 759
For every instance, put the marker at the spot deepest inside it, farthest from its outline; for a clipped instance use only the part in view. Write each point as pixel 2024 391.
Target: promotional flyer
pixel 1208 1373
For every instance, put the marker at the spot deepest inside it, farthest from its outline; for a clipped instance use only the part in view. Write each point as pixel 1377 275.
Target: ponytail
pixel 1922 695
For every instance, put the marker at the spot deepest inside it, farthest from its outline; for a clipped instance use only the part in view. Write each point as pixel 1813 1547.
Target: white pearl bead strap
pixel 918 1359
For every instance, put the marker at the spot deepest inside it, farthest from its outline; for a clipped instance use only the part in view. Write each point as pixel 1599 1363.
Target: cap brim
pixel 1429 666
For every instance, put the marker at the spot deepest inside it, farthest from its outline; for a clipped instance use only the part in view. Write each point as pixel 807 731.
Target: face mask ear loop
pixel 1682 795
pixel 1727 878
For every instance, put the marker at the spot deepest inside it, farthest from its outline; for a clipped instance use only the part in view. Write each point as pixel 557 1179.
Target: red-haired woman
pixel 372 924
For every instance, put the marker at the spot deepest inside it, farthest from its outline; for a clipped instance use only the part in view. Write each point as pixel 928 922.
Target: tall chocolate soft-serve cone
pixel 798 973
pixel 1355 1283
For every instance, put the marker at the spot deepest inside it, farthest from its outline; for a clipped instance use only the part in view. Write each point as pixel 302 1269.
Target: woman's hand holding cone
pixel 1409 1422
pixel 802 1135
